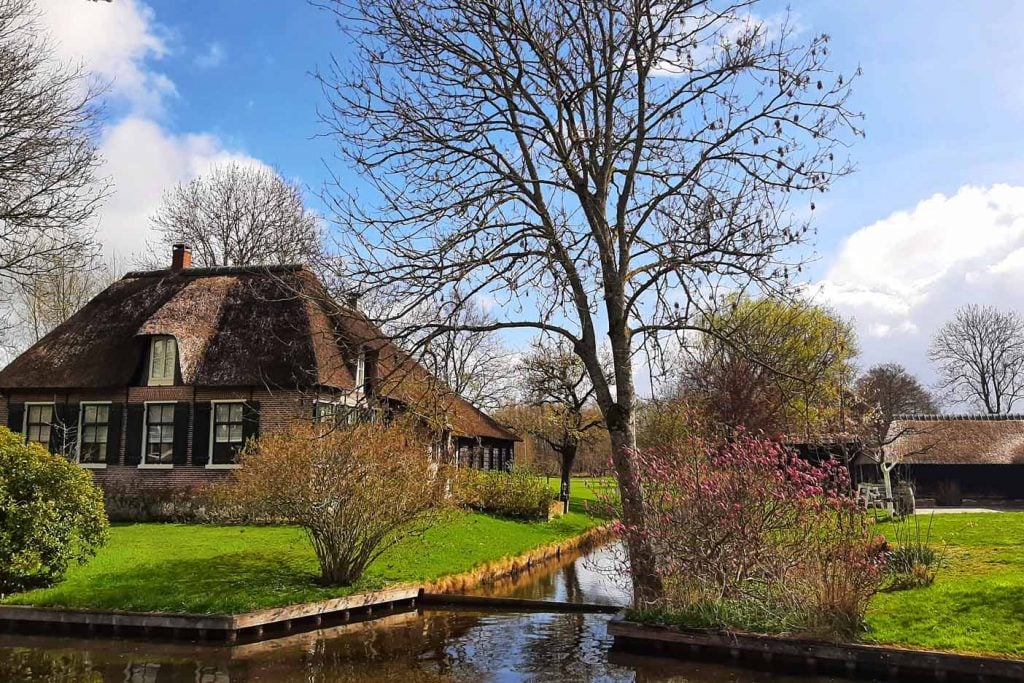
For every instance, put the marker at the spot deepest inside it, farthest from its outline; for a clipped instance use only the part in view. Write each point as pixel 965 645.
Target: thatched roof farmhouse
pixel 163 375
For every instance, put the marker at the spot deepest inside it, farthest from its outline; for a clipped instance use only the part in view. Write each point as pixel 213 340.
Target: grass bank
pixel 221 569
pixel 977 601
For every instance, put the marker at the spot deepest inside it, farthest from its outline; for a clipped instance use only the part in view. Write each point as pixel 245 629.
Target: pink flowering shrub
pixel 749 524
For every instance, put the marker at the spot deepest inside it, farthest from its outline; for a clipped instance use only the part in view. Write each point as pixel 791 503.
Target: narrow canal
pixel 431 645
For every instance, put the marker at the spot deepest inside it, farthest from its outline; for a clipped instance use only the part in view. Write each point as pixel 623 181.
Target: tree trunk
pixel 647 587
pixel 568 457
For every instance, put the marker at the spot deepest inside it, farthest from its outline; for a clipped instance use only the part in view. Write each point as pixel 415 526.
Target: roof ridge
pixel 952 417
pixel 217 270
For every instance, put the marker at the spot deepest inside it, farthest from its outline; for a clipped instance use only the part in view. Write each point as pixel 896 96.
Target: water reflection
pixel 410 647
pixel 594 577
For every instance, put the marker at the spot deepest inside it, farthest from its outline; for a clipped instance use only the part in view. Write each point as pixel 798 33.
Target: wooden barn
pixel 973 456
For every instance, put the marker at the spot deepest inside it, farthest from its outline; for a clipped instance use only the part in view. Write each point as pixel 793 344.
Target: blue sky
pixel 245 75
pixel 933 218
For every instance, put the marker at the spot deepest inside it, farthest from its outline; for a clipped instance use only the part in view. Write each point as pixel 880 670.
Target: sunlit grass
pixel 977 601
pixel 585 493
pixel 222 569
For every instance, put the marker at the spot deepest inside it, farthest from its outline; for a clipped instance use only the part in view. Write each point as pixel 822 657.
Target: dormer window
pixel 361 371
pixel 163 359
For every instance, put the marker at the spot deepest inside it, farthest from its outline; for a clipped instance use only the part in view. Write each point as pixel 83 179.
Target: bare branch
pixel 980 357
pixel 48 160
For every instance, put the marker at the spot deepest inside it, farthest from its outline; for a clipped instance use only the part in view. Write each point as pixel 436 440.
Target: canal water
pixel 429 645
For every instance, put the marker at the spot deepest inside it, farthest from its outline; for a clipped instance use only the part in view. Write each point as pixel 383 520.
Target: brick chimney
pixel 181 257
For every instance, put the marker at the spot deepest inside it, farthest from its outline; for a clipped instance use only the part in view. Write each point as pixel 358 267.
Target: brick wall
pixel 130 477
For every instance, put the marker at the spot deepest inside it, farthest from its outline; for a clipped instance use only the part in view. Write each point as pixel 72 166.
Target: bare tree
pixel 43 301
pixel 48 160
pixel 474 364
pixel 892 390
pixel 240 215
pixel 555 380
pixel 979 355
pixel 600 167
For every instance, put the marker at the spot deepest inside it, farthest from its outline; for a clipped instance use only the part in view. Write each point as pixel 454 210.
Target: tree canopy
pixel 775 366
pixel 979 355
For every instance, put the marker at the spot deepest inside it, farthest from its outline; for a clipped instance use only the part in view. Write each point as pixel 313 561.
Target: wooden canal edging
pixel 223 627
pixel 274 622
pixel 851 660
pixel 506 568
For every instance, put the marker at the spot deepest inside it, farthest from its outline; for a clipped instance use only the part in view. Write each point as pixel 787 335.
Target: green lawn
pixel 977 601
pixel 220 569
pixel 584 491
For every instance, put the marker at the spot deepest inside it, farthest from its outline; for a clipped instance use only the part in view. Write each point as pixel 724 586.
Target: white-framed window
pixel 38 422
pixel 325 411
pixel 163 359
pixel 93 433
pixel 226 433
pixel 158 437
pixel 361 371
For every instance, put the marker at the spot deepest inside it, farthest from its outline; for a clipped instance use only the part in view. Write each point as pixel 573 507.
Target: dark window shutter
pixel 181 420
pixel 16 417
pixel 201 433
pixel 64 429
pixel 133 434
pixel 114 433
pixel 250 420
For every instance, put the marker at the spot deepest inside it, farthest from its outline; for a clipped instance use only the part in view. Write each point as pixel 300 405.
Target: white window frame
pixel 210 465
pixel 361 371
pixel 81 426
pixel 162 381
pixel 24 419
pixel 143 465
pixel 327 402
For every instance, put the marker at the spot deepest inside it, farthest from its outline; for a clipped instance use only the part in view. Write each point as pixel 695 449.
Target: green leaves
pixel 51 515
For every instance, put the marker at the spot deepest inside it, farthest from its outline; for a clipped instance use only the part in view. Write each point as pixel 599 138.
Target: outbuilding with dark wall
pixel 978 456
pixel 162 377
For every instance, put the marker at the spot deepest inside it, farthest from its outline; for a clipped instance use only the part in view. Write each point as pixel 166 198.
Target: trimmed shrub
pixel 126 501
pixel 518 494
pixel 357 490
pixel 51 515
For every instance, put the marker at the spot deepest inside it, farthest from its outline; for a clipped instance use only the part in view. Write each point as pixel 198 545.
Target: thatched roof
pixel 270 327
pixel 956 440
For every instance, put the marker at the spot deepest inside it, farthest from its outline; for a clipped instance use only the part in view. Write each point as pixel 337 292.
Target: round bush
pixel 51 515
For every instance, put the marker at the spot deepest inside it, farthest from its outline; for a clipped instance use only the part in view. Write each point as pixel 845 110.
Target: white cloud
pixel 144 160
pixel 213 56
pixel 118 42
pixel 902 277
